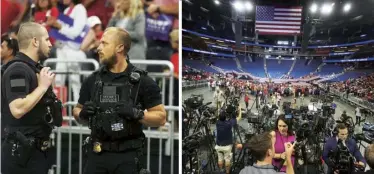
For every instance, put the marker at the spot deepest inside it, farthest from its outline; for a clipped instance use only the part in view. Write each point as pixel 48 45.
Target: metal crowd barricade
pixel 170 74
pixel 84 129
pixel 194 84
pixel 357 101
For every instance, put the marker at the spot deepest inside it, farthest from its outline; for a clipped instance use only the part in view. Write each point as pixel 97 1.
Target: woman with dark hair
pixel 43 11
pixel 282 133
pixel 9 49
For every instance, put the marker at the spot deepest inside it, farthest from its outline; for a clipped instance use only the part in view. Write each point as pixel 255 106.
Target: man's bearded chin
pixel 109 63
pixel 41 55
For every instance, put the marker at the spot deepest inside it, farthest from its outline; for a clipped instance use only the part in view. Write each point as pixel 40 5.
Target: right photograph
pixel 278 86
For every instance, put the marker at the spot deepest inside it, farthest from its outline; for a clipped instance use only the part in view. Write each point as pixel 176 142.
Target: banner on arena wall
pixel 349 60
pixel 340 54
pixel 158 28
pixel 207 52
pixel 272 46
pixel 67 21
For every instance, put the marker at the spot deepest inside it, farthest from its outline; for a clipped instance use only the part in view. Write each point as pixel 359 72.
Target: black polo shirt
pixel 149 93
pixel 19 80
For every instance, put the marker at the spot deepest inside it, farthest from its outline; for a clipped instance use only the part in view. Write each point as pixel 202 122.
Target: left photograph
pixel 89 86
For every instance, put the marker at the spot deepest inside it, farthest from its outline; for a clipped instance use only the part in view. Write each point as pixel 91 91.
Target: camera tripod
pixel 204 127
pixel 253 104
pixel 244 157
pixel 303 156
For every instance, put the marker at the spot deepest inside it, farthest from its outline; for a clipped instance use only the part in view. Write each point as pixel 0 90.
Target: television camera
pixel 197 134
pixel 194 101
pixel 231 107
pixel 341 159
pixel 311 129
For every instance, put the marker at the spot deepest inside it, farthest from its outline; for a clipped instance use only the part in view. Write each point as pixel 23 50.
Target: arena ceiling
pixel 357 24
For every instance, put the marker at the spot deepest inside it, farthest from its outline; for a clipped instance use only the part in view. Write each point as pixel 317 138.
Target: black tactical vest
pixel 40 120
pixel 106 125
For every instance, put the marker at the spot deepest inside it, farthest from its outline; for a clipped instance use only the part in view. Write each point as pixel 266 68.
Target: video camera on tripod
pixel 232 106
pixel 341 159
pixel 195 101
pixel 328 110
pixel 192 142
pixel 305 125
pixel 327 98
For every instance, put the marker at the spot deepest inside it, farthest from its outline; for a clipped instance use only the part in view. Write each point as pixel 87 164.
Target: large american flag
pixel 279 21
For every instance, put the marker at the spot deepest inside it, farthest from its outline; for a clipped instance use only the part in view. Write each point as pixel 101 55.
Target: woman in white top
pixel 129 15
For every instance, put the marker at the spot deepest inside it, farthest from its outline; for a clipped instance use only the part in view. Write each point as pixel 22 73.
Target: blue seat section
pixel 197 64
pixel 276 69
pixel 330 68
pixel 348 75
pixel 228 64
pixel 256 68
pixel 301 69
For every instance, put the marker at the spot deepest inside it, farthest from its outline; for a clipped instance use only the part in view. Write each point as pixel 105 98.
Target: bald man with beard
pixel 117 101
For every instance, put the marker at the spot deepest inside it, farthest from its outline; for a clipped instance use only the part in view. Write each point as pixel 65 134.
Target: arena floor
pixel 208 97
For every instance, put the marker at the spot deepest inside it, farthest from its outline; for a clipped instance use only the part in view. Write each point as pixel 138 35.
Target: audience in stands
pixel 158 41
pixel 44 10
pixel 362 87
pixel 92 39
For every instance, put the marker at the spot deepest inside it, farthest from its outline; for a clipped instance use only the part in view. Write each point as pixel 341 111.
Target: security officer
pixel 9 49
pixel 113 100
pixel 32 109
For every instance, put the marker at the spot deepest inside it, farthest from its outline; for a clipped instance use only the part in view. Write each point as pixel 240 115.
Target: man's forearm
pixel 21 106
pixel 170 9
pixel 154 118
pixel 277 156
pixel 289 169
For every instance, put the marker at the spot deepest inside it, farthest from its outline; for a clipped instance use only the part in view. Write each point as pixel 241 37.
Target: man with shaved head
pixel 117 101
pixel 25 88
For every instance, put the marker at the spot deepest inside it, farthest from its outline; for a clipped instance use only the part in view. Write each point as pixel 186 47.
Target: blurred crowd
pixel 362 87
pixel 311 75
pixel 76 26
pixel 191 74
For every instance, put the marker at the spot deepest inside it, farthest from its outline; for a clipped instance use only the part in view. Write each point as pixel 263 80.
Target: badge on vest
pixel 117 127
pixel 97 147
pixel 109 95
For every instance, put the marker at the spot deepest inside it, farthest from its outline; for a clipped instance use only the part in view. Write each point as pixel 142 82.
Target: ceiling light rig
pixel 313 8
pixel 241 6
pixel 347 7
pixel 328 7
